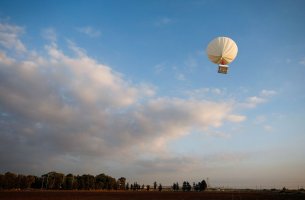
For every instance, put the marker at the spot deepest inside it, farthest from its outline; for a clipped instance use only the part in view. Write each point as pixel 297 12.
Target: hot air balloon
pixel 222 51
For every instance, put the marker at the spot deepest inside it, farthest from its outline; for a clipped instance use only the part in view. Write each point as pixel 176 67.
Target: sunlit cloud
pixel 236 118
pixel 73 109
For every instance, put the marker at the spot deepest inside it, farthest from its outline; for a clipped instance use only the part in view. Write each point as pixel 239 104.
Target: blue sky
pixel 126 88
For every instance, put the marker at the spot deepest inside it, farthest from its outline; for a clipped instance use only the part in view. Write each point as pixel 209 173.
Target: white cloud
pixel 236 118
pixel 253 101
pixel 9 37
pixel 268 93
pixel 89 31
pixel 78 111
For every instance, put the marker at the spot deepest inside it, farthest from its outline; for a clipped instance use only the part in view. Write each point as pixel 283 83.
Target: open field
pixel 98 195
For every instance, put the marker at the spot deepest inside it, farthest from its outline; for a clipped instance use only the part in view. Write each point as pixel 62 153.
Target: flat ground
pixel 98 195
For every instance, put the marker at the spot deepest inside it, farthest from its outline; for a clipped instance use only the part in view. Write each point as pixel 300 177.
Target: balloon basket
pixel 223 69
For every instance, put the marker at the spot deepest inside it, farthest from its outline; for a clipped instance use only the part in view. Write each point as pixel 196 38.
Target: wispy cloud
pixel 302 62
pixel 205 92
pixel 77 50
pixel 49 34
pixel 267 93
pixel 180 76
pixel 253 101
pixel 191 63
pixel 9 37
pixel 268 128
pixel 219 134
pixel 260 119
pixel 163 21
pixel 159 68
pixel 89 31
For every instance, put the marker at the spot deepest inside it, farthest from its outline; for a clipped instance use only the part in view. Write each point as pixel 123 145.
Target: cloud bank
pixel 73 114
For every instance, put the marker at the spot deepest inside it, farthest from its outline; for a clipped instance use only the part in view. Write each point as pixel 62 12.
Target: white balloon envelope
pixel 222 51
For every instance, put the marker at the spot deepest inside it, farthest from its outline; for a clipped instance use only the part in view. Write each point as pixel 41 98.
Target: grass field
pixel 98 195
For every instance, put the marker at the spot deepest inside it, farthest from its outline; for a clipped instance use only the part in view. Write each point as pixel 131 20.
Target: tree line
pixel 186 186
pixel 59 181
pixel 56 181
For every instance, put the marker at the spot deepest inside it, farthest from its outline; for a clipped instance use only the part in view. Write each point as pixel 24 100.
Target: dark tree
pixel 127 186
pixel 24 182
pixel 37 184
pixel 184 186
pixel 1 181
pixel 103 181
pixel 203 185
pixel 188 186
pixel 195 186
pixel 68 182
pixel 160 187
pixel 136 186
pixel 174 187
pixel 21 181
pixel 147 187
pixel 53 180
pixel 86 182
pixel 100 181
pixel 121 183
pixel 30 181
pixel 112 183
pixel 10 180
pixel 155 185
